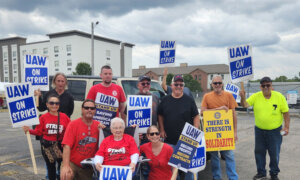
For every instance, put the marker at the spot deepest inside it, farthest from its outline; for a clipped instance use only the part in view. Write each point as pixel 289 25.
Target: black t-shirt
pixel 66 102
pixel 176 112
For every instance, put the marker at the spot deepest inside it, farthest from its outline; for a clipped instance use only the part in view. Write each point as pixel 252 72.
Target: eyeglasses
pixel 215 83
pixel 145 83
pixel 117 128
pixel 266 85
pixel 152 134
pixel 176 85
pixel 52 103
pixel 87 108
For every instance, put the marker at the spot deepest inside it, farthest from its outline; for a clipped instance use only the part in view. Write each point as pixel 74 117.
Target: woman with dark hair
pixel 51 128
pixel 159 153
pixel 59 85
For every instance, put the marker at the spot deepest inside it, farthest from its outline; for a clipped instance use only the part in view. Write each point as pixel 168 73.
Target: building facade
pixel 202 73
pixel 64 51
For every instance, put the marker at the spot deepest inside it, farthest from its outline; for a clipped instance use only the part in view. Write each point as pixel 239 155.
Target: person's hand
pixel 102 126
pixel 286 130
pixel 99 166
pixel 37 93
pixel 132 166
pixel 163 134
pixel 26 129
pixel 66 173
pixel 134 125
pixel 165 71
pixel 242 93
pixel 223 108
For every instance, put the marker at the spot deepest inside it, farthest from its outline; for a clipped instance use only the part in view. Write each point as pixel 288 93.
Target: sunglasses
pixel 176 85
pixel 52 103
pixel 215 83
pixel 266 85
pixel 145 83
pixel 87 108
pixel 152 134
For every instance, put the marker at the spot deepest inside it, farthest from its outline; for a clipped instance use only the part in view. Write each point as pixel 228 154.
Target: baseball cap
pixel 265 79
pixel 141 78
pixel 177 77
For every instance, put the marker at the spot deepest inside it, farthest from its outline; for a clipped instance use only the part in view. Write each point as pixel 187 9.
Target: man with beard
pixel 173 112
pixel 218 99
pixel 80 142
pixel 109 98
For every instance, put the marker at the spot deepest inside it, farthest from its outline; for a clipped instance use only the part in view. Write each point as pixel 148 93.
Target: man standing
pixel 174 111
pixel 80 142
pixel 110 98
pixel 270 108
pixel 221 100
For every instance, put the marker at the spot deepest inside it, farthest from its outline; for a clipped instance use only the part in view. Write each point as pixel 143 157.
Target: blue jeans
pixel 230 165
pixel 267 140
pixel 188 175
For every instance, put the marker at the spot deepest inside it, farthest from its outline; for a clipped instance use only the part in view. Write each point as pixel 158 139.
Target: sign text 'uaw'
pixel 167 53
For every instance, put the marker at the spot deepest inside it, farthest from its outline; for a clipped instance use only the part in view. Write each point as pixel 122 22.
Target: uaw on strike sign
pixel 36 71
pixel 106 108
pixel 218 130
pixel 167 53
pixel 240 63
pixel 21 104
pixel 139 112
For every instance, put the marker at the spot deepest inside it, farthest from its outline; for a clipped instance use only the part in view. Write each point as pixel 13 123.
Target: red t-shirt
pixel 117 152
pixel 159 168
pixel 82 139
pixel 48 126
pixel 107 101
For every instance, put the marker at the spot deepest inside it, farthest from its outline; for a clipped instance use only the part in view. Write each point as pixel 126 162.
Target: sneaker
pixel 259 177
pixel 274 177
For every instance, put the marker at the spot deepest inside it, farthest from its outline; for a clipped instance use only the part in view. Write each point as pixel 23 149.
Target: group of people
pixel 78 139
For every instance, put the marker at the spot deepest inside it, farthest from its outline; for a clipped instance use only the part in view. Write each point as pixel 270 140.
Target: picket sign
pixel 115 172
pixel 167 53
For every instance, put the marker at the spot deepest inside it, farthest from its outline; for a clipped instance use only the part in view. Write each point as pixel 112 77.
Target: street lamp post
pixel 92 48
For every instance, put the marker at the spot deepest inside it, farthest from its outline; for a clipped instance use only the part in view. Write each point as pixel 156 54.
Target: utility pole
pixel 92 46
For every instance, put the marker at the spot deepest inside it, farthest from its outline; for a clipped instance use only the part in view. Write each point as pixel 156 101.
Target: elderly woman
pixel 117 149
pixel 159 153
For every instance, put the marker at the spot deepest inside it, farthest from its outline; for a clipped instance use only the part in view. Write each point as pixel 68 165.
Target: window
pixel 56 55
pixel 5 60
pixel 107 53
pixel 68 54
pixel 14 53
pixel 56 63
pixel 15 66
pixel 69 48
pixel 15 79
pixel 69 69
pixel 45 50
pixel 222 75
pixel 196 77
pixel 211 76
pixel 199 77
pixel 6 79
pixel 56 49
pixel 14 59
pixel 77 89
pixel 69 62
pixel 4 55
pixel 6 67
pixel 15 72
pixel 34 51
pixel 56 69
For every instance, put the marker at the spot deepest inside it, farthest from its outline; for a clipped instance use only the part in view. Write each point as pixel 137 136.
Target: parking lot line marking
pixel 20 160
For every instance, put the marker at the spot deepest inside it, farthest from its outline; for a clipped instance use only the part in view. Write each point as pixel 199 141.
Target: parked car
pixel 79 86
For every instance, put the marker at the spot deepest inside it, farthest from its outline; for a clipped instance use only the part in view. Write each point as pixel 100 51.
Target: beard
pixel 107 82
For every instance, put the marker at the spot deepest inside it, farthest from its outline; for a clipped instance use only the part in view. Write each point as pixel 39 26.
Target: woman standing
pixel 52 128
pixel 59 84
pixel 159 153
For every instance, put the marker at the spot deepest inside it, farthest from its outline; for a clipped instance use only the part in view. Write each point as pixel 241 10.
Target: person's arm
pixel 71 108
pixel 164 80
pixel 98 160
pixel 42 100
pixel 234 124
pixel 196 121
pixel 286 127
pixel 134 159
pixel 243 99
pixel 66 171
pixel 122 110
pixel 161 126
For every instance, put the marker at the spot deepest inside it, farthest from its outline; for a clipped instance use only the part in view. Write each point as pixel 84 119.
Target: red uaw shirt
pixel 82 139
pixel 48 126
pixel 107 101
pixel 117 152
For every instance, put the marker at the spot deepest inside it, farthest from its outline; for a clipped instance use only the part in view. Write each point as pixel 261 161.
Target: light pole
pixel 92 39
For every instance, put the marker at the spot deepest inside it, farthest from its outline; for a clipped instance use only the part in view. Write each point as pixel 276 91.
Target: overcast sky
pixel 202 29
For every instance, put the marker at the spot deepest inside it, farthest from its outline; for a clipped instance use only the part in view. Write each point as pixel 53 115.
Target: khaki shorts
pixel 80 173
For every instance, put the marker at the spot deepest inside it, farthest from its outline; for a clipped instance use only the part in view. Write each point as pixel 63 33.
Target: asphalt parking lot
pixel 15 162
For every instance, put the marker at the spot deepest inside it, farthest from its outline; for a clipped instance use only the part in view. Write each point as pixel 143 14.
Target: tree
pixel 281 79
pixel 191 83
pixel 83 68
pixel 169 79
